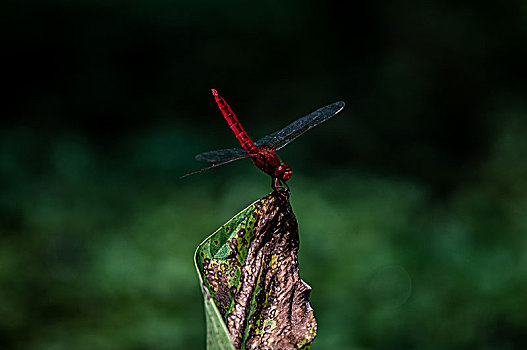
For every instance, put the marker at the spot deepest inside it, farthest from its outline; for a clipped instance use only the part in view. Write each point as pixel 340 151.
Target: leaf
pixel 253 293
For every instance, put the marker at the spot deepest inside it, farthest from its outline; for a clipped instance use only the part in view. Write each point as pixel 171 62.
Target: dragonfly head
pixel 283 172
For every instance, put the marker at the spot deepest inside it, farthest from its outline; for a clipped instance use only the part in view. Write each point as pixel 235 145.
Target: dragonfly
pixel 263 152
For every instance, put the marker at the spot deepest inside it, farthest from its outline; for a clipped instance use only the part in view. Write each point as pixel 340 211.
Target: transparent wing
pixel 283 137
pixel 221 155
pixel 218 163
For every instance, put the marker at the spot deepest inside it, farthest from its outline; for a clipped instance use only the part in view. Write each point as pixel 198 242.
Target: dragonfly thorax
pixel 267 161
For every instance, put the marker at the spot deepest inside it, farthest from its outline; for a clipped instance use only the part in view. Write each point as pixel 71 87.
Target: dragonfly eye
pixel 283 172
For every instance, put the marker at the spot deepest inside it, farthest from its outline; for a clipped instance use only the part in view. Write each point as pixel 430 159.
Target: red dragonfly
pixel 262 152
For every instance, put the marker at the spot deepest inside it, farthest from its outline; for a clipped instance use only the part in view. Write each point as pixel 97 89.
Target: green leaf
pixel 248 269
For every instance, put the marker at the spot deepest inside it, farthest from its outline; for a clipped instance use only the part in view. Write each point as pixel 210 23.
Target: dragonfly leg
pixel 281 188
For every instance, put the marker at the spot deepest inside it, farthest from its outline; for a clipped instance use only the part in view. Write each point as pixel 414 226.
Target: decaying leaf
pixel 249 276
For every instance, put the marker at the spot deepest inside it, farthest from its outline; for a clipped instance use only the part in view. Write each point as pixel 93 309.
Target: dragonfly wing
pixel 222 154
pixel 225 160
pixel 283 137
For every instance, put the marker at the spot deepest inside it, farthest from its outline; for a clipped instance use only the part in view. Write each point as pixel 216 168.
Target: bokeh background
pixel 412 203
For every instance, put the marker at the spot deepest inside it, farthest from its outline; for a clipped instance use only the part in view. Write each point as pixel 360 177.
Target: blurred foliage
pixel 411 203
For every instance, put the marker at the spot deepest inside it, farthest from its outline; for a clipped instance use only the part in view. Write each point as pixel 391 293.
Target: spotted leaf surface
pixel 249 277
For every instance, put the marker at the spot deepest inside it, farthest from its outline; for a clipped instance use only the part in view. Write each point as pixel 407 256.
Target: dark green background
pixel 412 203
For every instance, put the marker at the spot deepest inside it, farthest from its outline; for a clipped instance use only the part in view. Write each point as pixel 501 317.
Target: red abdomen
pixel 244 139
